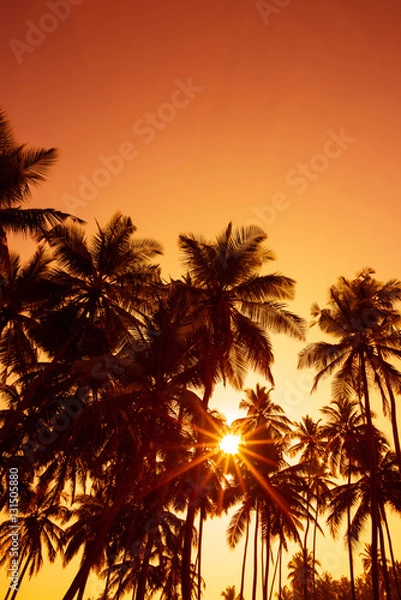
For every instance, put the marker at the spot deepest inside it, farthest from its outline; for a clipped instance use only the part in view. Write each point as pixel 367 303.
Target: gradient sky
pixel 292 123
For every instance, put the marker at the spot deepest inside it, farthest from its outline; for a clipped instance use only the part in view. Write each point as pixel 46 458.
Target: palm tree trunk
pixel 241 593
pixel 393 561
pixel 275 570
pixel 120 575
pixel 193 500
pixel 394 425
pixel 305 545
pixel 79 582
pixel 373 480
pixel 393 415
pixel 384 563
pixel 255 554
pixel 21 577
pixel 106 585
pixel 267 557
pixel 349 541
pixel 201 520
pixel 186 581
pixel 280 570
pixel 143 575
pixel 314 550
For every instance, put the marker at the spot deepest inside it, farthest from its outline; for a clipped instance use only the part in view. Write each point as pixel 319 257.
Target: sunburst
pixel 230 443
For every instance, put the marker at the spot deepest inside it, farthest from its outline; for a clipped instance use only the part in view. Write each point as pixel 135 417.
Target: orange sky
pixel 253 139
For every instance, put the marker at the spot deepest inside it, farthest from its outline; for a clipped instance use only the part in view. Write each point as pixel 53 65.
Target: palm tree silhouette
pixel 298 573
pixel 26 289
pixel 343 422
pixel 311 446
pixel 38 530
pixel 357 495
pixel 235 306
pixel 354 318
pixel 20 169
pixel 271 489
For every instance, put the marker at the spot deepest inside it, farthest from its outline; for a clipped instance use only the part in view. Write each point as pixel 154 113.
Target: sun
pixel 230 443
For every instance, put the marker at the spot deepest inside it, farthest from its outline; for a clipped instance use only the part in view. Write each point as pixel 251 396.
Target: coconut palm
pixel 273 492
pixel 37 530
pixel 265 429
pixel 140 437
pixel 357 495
pixel 20 169
pixel 341 427
pixel 230 593
pixel 101 291
pixel 106 284
pixel 261 411
pixel 25 290
pixel 356 317
pixel 299 572
pixel 235 306
pixel 311 448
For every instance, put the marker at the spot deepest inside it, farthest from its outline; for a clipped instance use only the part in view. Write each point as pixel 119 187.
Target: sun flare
pixel 230 443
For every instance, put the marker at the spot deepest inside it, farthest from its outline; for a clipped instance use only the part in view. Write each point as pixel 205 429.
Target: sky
pixel 187 115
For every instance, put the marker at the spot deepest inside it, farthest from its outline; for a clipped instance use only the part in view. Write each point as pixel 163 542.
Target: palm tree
pixel 261 411
pixel 356 317
pixel 37 531
pixel 106 285
pixel 343 422
pixel 311 446
pixel 26 289
pixel 230 593
pixel 264 430
pixel 300 572
pixel 239 524
pixel 101 291
pixel 141 440
pixel 271 490
pixel 235 305
pixel 357 494
pixel 20 169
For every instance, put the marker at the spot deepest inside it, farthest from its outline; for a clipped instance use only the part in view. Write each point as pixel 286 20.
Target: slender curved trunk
pixel 384 564
pixel 372 450
pixel 193 501
pixel 314 549
pixel 78 584
pixel 349 540
pixel 267 560
pixel 186 581
pixel 143 575
pixel 280 570
pixel 201 520
pixel 393 561
pixel 278 558
pixel 241 593
pixel 106 585
pixel 305 545
pixel 255 554
pixel 120 575
pixel 393 416
pixel 20 578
